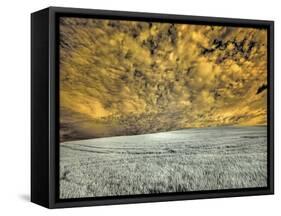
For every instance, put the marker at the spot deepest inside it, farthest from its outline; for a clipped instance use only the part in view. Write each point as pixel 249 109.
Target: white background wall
pixel 15 106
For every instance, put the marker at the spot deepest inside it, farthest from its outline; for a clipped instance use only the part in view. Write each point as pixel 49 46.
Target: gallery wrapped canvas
pixel 138 107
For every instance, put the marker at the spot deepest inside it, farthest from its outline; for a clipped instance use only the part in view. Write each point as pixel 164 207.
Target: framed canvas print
pixel 138 107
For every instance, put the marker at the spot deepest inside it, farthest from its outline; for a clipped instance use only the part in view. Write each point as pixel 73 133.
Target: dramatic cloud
pixel 124 77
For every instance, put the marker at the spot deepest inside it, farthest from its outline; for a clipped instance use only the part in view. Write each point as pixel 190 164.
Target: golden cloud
pixel 128 77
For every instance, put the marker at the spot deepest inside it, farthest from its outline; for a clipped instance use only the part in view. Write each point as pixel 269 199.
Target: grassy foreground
pixel 177 161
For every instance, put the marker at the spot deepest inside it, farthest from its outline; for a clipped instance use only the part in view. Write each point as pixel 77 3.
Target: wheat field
pixel 175 161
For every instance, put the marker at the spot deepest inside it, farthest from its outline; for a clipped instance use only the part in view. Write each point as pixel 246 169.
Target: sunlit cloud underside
pixel 127 77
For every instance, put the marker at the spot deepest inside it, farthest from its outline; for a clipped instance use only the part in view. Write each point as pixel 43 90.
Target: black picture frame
pixel 45 111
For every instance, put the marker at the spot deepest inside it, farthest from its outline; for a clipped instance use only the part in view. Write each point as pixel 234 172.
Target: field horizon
pixel 180 129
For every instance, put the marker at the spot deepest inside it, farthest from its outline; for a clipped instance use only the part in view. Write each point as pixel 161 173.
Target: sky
pixel 127 77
